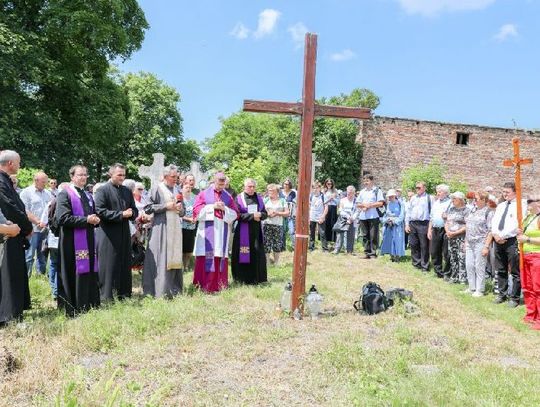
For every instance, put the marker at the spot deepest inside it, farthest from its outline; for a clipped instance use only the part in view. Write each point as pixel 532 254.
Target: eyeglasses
pixel 418 187
pixel 140 189
pixel 530 201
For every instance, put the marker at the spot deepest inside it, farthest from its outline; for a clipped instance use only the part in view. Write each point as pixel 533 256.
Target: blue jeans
pixel 53 271
pixel 36 241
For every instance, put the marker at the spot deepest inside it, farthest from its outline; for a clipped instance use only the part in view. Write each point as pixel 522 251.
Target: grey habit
pixel 157 280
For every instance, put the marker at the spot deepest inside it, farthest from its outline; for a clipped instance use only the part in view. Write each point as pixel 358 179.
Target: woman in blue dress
pixel 393 242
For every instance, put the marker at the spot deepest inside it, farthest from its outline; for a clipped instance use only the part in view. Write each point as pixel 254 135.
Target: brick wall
pixel 392 145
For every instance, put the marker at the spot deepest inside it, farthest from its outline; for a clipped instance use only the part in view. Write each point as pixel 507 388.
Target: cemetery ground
pixel 236 348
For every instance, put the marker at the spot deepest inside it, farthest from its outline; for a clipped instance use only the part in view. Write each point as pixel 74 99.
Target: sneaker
pixel 478 294
pixel 467 291
pixel 367 256
pixel 512 304
pixel 499 299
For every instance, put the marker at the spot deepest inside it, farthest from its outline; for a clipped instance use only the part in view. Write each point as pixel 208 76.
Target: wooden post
pixel 308 109
pixel 517 162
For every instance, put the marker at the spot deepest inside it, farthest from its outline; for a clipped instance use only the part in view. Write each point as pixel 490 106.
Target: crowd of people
pixel 466 238
pixel 94 237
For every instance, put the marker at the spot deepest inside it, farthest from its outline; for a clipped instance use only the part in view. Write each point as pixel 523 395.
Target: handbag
pixel 341 225
pixel 138 252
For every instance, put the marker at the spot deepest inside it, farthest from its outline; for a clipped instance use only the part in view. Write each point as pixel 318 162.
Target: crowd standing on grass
pixel 93 237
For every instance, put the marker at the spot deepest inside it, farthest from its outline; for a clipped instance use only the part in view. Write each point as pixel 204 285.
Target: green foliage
pixel 271 138
pixel 243 167
pixel 154 124
pixel 432 174
pixel 25 176
pixel 275 140
pixel 59 106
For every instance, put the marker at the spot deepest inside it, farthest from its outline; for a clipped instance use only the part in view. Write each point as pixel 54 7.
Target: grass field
pixel 236 348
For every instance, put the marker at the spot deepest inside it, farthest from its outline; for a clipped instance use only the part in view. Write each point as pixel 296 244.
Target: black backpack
pixel 394 295
pixel 372 299
pixel 381 210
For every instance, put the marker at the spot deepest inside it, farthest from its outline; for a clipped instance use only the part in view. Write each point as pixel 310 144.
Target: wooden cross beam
pixel 307 109
pixel 517 162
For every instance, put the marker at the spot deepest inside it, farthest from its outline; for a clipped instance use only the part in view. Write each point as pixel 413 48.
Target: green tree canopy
pixel 274 139
pixel 155 123
pixel 59 105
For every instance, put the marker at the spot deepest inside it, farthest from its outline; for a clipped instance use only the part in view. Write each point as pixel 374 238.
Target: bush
pixel 432 174
pixel 26 176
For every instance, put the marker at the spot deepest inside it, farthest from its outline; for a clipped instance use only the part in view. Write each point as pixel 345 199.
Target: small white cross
pixel 155 171
pixel 314 165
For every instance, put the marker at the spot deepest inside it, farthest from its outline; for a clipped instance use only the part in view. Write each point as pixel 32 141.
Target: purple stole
pixel 209 199
pixel 82 253
pixel 244 256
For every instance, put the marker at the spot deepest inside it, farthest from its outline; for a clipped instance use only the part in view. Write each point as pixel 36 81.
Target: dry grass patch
pixel 235 348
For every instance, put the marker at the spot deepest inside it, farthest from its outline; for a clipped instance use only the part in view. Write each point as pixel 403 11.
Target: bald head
pixel 40 180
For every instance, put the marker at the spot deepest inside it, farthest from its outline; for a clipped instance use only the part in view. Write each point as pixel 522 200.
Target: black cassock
pixel 76 292
pixel 253 272
pixel 14 290
pixel 114 240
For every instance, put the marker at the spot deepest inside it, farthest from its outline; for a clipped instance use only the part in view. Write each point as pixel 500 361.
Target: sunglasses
pixel 530 201
pixel 418 187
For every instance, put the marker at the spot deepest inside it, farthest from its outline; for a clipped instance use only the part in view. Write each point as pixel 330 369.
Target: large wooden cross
pixel 307 109
pixel 517 162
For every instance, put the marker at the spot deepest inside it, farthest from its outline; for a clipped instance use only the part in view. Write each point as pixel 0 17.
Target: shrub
pixel 432 174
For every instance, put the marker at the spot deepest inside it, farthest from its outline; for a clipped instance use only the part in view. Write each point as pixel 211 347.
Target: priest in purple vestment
pixel 215 211
pixel 76 215
pixel 248 256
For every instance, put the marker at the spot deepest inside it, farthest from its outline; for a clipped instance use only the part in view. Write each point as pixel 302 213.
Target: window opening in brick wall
pixel 462 139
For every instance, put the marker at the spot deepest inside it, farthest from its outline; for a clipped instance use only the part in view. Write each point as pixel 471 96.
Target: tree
pixel 272 138
pixel 154 124
pixel 432 175
pixel 59 105
pixel 243 166
pixel 275 139
pixel 335 139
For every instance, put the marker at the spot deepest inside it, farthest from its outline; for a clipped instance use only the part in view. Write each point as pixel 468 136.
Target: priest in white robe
pixel 215 211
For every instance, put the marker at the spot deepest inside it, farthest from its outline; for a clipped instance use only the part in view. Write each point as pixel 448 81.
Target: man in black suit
pixel 14 290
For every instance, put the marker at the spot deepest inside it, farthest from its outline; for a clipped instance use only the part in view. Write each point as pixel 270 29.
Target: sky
pixel 462 61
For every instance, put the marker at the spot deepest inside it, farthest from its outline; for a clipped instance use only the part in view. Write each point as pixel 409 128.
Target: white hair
pixel 169 168
pixel 129 184
pixel 248 180
pixel 352 188
pixel 8 155
pixel 443 188
pixel 139 185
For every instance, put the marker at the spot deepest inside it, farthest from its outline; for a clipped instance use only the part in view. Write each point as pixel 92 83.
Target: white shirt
pixel 348 208
pixel 279 206
pixel 371 195
pixel 510 223
pixel 52 240
pixel 316 206
pixel 35 202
